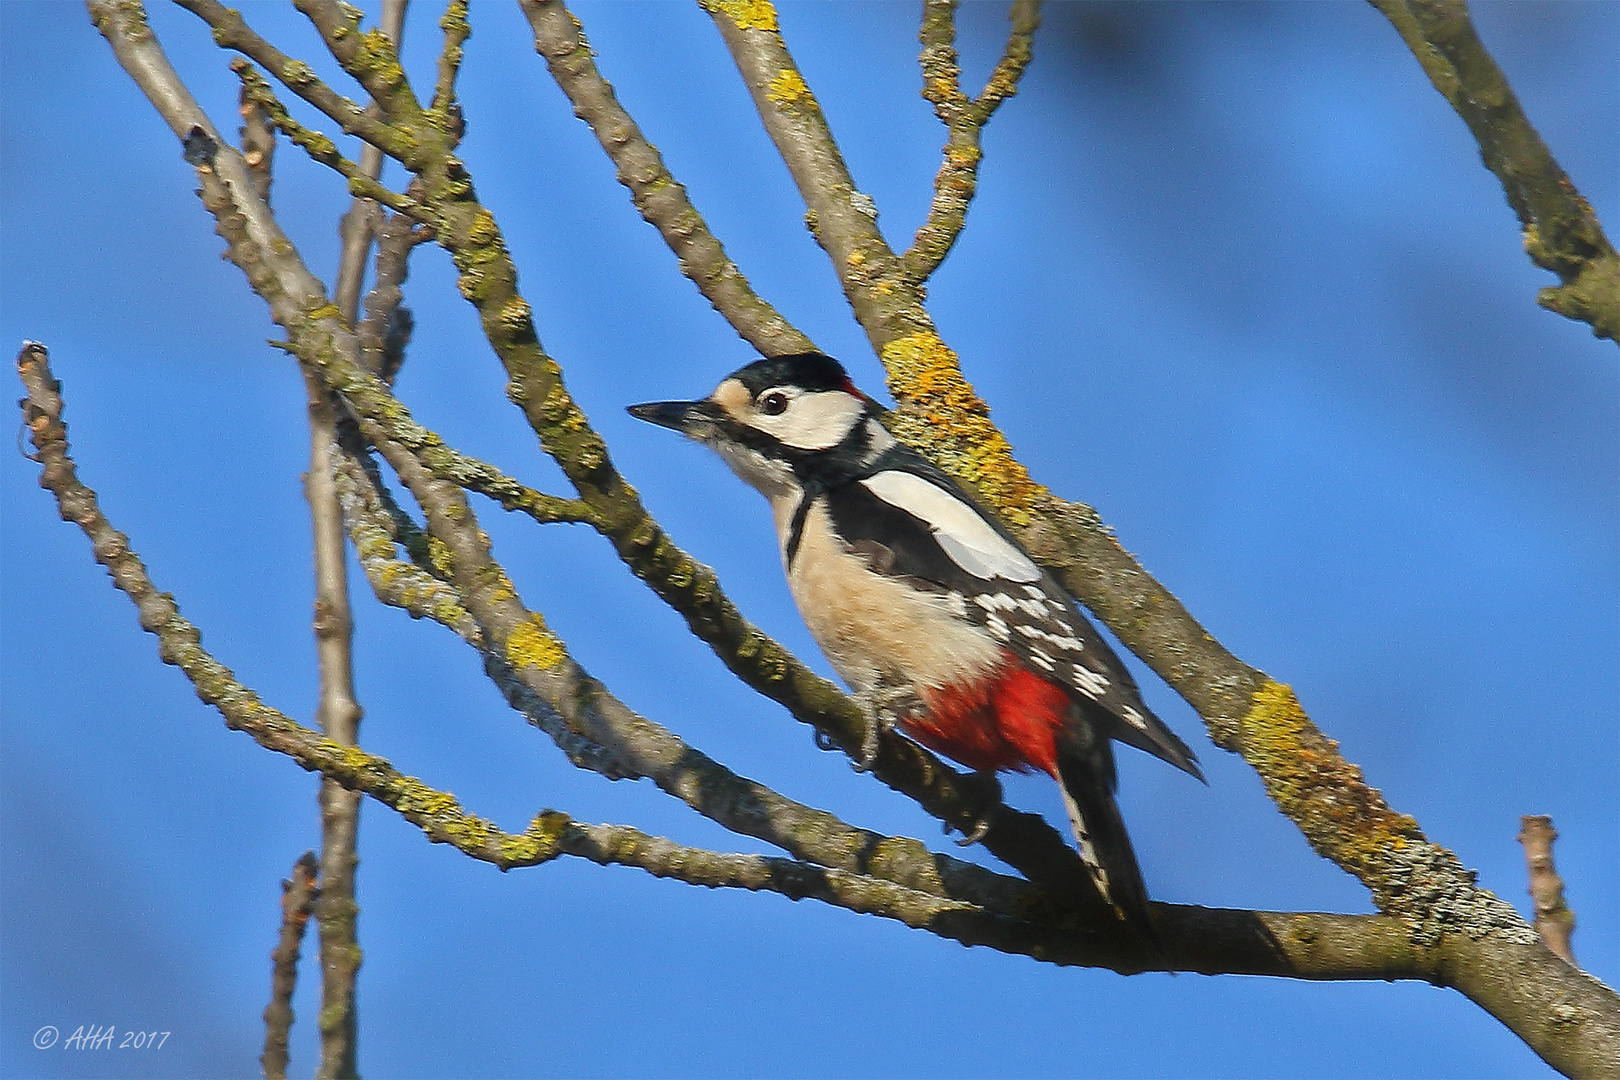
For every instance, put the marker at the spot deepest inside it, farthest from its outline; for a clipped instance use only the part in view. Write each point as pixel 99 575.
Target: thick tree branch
pixel 1561 233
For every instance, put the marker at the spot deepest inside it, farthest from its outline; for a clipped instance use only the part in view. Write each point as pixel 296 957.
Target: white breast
pixel 870 625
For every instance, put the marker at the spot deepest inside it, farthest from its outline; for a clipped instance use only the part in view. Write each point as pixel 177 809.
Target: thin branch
pixel 298 896
pixel 660 198
pixel 1554 921
pixel 957 179
pixel 338 712
pixel 258 144
pixel 842 219
pixel 232 32
pixel 386 329
pixel 456 32
pixel 362 178
pixel 370 57
pixel 1561 233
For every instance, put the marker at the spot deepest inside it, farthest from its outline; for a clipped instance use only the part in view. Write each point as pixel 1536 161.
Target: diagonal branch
pixel 661 199
pixel 1561 233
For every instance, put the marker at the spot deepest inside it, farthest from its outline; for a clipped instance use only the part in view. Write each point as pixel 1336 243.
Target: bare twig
pixel 1555 922
pixel 258 144
pixel 456 31
pixel 298 895
pixel 1561 233
pixel 386 329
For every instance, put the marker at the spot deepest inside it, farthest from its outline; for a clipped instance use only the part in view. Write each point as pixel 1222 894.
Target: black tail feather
pixel 1085 762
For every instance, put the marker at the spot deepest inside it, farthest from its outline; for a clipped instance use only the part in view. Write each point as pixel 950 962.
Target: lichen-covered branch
pixel 661 199
pixel 362 178
pixel 964 120
pixel 1561 233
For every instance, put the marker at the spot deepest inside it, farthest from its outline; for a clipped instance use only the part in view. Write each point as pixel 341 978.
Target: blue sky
pixel 1234 276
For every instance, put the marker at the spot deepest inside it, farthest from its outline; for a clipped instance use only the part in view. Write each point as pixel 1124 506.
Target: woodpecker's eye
pixel 774 403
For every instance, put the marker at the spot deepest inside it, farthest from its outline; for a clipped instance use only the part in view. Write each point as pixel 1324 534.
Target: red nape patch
pixel 1009 721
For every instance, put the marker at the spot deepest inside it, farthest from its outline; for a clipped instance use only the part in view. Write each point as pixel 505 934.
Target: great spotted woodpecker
pixel 929 609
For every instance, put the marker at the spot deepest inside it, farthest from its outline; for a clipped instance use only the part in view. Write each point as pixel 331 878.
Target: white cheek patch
pixel 814 421
pixel 966 537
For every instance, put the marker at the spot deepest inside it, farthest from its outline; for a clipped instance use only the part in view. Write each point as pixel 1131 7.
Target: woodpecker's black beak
pixel 686 417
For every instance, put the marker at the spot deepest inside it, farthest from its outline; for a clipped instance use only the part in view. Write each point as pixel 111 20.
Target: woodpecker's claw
pixel 884 706
pixel 980 830
pixel 984 789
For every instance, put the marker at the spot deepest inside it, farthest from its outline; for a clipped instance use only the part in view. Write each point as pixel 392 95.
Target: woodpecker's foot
pixel 884 706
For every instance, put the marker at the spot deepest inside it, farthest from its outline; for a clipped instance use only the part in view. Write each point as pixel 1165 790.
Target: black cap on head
pixel 813 371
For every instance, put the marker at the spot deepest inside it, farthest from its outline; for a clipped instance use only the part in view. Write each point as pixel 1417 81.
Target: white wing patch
pixel 965 536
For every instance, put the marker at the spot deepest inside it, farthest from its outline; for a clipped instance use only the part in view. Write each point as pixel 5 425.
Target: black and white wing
pixel 914 522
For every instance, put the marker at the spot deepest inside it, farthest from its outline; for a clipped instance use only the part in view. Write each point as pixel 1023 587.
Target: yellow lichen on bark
pixel 1342 816
pixel 746 14
pixel 941 413
pixel 533 645
pixel 789 89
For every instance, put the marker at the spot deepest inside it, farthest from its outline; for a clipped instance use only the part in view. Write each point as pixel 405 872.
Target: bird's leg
pixel 884 705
